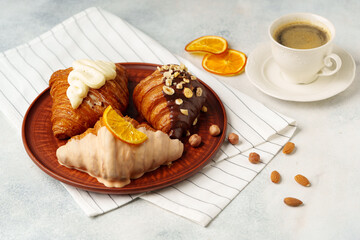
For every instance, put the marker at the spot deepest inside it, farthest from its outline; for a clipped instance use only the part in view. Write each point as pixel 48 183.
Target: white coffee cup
pixel 302 66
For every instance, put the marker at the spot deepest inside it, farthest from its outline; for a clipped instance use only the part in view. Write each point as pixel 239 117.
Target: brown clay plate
pixel 41 145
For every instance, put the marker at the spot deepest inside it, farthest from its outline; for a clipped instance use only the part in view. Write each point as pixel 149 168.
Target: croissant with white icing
pixel 113 162
pixel 68 121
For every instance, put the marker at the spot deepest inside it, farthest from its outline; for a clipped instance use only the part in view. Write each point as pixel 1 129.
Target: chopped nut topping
pixel 179 85
pixel 178 101
pixel 158 68
pixel 199 92
pixel 193 77
pixel 187 133
pixel 184 111
pixel 167 74
pixel 176 74
pixel 168 82
pixel 195 121
pixel 204 109
pixel 186 80
pixel 182 66
pixel 168 90
pixel 188 93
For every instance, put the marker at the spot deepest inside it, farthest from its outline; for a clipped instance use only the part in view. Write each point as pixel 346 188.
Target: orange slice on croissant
pixel 121 128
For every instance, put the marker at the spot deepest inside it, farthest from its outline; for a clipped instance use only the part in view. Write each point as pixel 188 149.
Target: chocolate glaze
pixel 180 122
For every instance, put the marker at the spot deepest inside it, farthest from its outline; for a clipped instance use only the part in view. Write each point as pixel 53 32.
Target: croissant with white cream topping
pixel 69 121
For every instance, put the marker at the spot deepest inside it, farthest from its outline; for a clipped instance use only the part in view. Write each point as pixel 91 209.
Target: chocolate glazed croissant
pixel 170 99
pixel 67 121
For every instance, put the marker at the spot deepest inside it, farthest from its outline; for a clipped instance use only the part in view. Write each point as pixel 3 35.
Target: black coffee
pixel 301 35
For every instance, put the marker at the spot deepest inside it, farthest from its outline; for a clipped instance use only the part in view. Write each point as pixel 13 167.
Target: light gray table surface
pixel 35 206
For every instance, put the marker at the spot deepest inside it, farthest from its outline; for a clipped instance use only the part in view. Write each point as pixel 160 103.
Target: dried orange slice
pixel 228 63
pixel 208 44
pixel 122 129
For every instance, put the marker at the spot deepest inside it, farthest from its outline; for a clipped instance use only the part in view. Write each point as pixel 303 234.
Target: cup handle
pixel 329 62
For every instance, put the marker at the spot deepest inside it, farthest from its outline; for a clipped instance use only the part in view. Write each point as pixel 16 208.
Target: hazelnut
pixel 193 78
pixel 195 140
pixel 214 130
pixel 254 158
pixel 233 138
pixel 204 109
pixel 195 121
pixel 186 80
pixel 176 74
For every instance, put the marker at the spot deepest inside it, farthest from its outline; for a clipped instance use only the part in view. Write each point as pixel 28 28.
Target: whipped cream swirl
pixel 88 74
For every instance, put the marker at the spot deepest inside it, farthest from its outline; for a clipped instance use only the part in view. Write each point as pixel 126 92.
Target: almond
pixel 302 180
pixel 288 148
pixel 275 177
pixel 292 202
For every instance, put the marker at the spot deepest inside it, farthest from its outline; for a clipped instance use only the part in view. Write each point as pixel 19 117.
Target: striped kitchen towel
pixel 97 34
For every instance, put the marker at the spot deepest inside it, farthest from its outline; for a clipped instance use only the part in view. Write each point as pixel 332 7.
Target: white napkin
pixel 97 34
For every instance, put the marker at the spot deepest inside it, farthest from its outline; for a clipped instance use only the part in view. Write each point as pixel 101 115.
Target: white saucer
pixel 265 75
